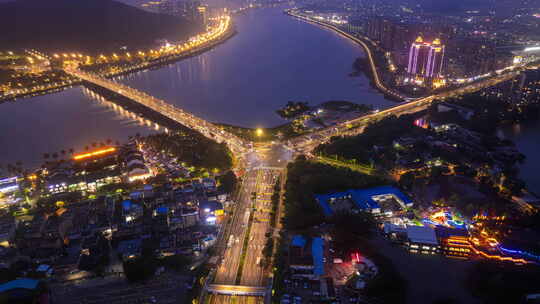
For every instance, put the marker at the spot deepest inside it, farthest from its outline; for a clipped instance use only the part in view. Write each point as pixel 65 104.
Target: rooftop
pixel 422 234
pixel 19 283
pixel 298 241
pixel 363 198
pixel 317 252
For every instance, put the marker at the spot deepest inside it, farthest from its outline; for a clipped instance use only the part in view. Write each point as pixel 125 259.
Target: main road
pixel 241 271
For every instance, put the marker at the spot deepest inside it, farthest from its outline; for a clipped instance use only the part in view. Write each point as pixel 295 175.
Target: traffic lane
pixel 232 260
pixel 253 272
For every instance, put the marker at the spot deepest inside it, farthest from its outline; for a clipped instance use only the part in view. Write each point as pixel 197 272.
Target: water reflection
pixel 71 119
pixel 123 114
pixel 526 137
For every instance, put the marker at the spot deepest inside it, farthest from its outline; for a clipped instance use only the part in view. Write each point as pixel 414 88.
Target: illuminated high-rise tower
pixel 434 63
pixel 418 54
pixel 426 62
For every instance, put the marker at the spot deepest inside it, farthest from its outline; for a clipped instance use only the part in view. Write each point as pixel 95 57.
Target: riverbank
pixel 148 65
pixel 525 136
pixel 167 60
pixel 376 80
pixel 41 92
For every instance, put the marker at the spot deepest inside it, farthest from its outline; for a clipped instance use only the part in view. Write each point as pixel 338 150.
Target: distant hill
pixel 85 25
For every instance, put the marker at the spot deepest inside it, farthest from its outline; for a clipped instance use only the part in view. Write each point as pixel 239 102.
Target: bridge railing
pixel 187 119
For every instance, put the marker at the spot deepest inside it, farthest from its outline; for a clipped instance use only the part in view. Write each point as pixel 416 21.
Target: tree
pixel 513 185
pixel 407 179
pixel 350 229
pixel 445 301
pixel 177 262
pixel 227 182
pixel 306 178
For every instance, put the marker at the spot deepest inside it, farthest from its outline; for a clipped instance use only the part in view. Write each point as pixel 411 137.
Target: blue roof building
pixel 19 283
pixel 126 205
pixel 162 210
pixel 318 254
pixel 306 256
pixel 23 291
pixel 298 241
pixel 363 199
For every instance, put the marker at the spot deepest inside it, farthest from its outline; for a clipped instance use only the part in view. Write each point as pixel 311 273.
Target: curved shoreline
pixel 151 64
pixel 374 75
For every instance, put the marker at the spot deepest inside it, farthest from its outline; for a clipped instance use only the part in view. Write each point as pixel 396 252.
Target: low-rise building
pixel 130 249
pixel 7 231
pixel 378 200
pixel 306 257
pixel 422 239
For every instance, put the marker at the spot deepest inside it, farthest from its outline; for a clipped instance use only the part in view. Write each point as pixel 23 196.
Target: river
pixel 273 59
pixel 526 136
pixel 50 123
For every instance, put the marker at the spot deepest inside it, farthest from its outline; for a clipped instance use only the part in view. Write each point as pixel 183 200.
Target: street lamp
pixel 259 132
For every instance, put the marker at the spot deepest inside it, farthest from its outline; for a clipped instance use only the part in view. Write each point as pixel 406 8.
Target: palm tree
pixel 55 155
pixel 86 148
pixel 71 151
pixel 46 155
pixel 109 141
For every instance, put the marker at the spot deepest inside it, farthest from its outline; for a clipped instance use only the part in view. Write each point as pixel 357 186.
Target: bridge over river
pixel 237 145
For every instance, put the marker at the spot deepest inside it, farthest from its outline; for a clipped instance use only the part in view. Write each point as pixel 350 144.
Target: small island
pixel 302 118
